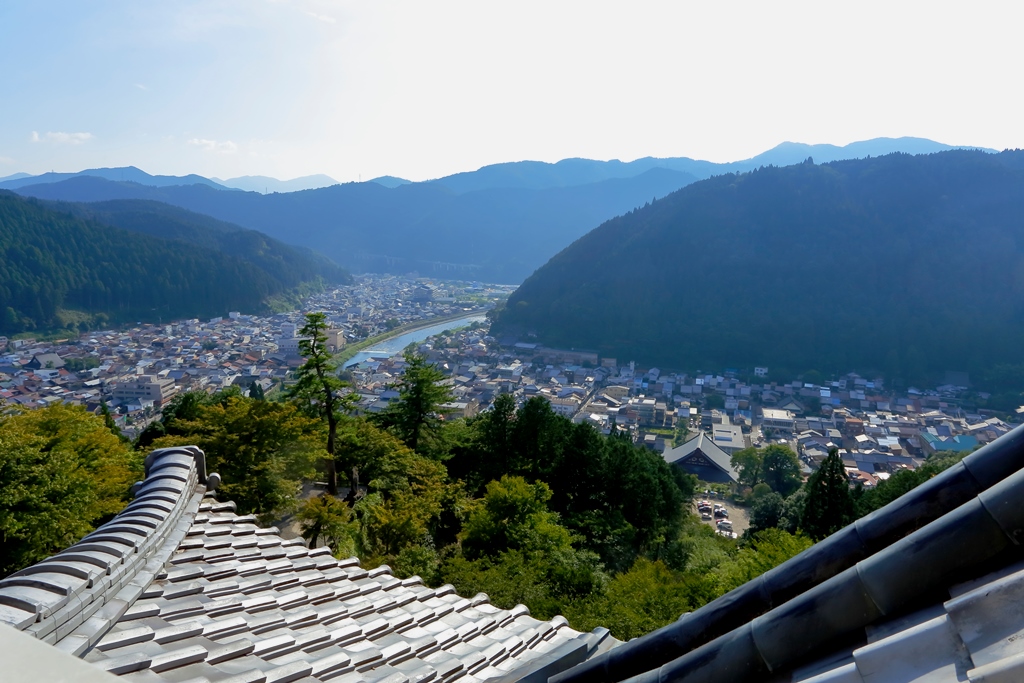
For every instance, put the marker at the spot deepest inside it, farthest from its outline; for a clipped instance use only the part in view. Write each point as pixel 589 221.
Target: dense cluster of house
pixel 136 371
pixel 876 432
pixel 697 421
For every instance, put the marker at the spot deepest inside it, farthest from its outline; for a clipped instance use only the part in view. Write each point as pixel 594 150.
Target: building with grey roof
pixel 178 587
pixel 703 458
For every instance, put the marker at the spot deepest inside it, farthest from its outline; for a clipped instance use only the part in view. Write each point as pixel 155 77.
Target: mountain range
pixel 908 265
pixel 63 268
pixel 498 223
pixel 266 184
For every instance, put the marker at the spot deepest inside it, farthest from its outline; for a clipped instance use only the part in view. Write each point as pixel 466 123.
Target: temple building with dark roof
pixel 703 458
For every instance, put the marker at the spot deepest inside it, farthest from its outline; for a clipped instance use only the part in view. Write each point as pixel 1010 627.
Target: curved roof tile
pixel 179 586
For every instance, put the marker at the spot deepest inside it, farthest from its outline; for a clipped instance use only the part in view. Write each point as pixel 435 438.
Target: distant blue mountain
pixel 265 184
pixel 15 176
pixel 789 153
pixel 390 181
pixel 570 172
pixel 498 223
pixel 495 234
pixel 128 174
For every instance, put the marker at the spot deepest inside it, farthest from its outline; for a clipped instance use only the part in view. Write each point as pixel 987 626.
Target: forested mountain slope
pixel 290 265
pixel 904 264
pixel 57 270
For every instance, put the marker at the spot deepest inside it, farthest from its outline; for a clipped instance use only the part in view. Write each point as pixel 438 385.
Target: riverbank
pixel 351 350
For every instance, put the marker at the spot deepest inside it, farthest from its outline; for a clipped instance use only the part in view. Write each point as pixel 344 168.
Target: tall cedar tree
pixel 416 416
pixel 829 505
pixel 318 384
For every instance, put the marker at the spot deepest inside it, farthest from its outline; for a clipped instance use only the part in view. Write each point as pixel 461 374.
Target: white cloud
pixel 59 138
pixel 141 87
pixel 225 147
pixel 6 161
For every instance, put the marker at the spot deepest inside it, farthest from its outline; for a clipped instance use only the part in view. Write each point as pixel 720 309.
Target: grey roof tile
pixel 250 676
pixel 179 588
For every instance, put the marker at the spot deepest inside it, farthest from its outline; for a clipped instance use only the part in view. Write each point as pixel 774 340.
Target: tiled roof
pixel 179 587
pixel 928 588
pixel 708 448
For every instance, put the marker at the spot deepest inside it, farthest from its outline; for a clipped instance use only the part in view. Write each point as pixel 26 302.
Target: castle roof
pixel 927 588
pixel 180 587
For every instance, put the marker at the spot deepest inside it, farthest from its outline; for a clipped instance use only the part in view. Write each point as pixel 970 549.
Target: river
pixel 390 347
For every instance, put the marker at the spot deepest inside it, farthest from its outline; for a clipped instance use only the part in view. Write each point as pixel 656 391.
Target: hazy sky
pixel 422 89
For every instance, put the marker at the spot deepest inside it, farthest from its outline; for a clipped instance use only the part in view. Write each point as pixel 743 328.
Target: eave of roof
pixel 178 586
pixel 956 526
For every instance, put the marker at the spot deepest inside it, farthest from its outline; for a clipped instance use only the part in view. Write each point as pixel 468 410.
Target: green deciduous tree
pixel 61 473
pixel 781 469
pixel 765 550
pixel 766 512
pixel 829 506
pixel 646 597
pixel 262 450
pixel 749 462
pixel 326 519
pixel 513 515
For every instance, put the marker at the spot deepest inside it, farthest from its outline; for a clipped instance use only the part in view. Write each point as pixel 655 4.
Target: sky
pixel 420 90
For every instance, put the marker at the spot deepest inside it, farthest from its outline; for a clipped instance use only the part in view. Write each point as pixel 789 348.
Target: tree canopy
pixel 62 472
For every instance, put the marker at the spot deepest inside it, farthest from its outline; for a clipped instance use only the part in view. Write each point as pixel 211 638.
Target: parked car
pixel 721 512
pixel 725 525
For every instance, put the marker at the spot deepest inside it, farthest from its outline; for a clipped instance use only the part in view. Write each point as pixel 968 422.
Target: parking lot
pixel 739 516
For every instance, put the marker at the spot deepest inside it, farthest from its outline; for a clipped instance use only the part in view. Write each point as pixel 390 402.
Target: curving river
pixel 390 347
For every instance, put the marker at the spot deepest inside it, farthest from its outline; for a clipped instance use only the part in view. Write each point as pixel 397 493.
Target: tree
pixel 765 550
pixel 829 506
pixel 415 417
pixel 328 519
pixel 646 597
pixel 262 450
pixel 513 515
pixel 766 512
pixel 256 391
pixel 793 511
pixel 108 420
pixel 317 386
pixel 749 462
pixel 61 473
pixel 781 469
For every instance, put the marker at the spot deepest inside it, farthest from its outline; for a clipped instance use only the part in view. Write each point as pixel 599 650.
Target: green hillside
pixel 56 268
pixel 905 264
pixel 290 265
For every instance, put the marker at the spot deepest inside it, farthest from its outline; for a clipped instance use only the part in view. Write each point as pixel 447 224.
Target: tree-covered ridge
pixel 51 262
pixel 903 264
pixel 289 265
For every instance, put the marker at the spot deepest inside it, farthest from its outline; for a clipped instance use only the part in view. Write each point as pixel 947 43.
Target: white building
pixel 145 388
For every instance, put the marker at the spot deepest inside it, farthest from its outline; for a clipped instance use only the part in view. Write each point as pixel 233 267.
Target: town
pixel 696 421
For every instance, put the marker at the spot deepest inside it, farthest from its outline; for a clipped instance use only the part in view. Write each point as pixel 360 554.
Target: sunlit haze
pixel 423 89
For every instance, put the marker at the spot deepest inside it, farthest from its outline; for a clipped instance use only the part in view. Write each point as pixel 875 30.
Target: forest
pixel 903 265
pixel 60 271
pixel 518 502
pixel 291 266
